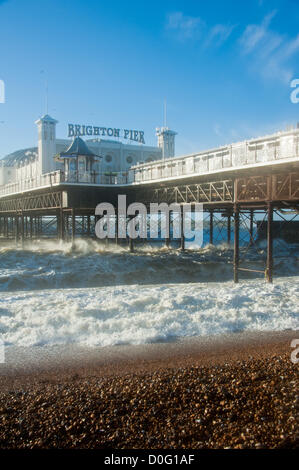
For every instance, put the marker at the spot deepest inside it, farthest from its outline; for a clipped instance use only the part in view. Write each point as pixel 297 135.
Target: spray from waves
pixel 134 315
pixel 50 264
pixel 94 265
pixel 48 246
pixel 52 294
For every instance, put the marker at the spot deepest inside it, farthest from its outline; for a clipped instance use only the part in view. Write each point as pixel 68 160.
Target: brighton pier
pixel 75 130
pixel 250 184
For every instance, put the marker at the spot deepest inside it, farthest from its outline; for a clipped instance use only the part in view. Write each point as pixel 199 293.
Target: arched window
pixel 108 158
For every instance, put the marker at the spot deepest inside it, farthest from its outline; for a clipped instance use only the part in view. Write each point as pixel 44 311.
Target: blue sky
pixel 224 67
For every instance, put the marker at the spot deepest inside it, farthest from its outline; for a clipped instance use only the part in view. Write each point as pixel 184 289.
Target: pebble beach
pixel 240 394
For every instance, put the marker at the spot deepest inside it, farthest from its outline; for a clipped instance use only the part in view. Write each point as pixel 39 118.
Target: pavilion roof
pixel 77 148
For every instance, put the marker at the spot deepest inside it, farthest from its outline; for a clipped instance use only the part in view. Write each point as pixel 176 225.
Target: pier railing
pixel 273 148
pixel 48 179
pixel 59 177
pixel 93 177
pixel 266 150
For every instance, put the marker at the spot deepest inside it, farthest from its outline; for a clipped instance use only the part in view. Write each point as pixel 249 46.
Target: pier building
pixel 63 181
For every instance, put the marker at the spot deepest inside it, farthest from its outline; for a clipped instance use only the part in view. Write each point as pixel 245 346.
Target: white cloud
pixel 272 43
pixel 186 27
pixel 292 47
pixel 272 53
pixel 217 130
pixel 193 27
pixel 254 33
pixel 219 34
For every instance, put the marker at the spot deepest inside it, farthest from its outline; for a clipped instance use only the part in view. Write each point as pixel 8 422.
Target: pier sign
pixel 75 130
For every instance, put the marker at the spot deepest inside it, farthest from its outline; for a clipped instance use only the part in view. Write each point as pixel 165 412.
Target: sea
pixel 92 294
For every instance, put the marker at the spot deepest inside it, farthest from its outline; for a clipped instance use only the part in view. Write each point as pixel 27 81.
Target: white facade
pixel 46 143
pixel 166 139
pixel 7 174
pixel 115 156
pixel 136 164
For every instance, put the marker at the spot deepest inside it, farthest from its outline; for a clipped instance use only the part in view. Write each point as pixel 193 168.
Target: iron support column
pixel 167 228
pixel 17 229
pixel 269 268
pixel 131 242
pixel 88 226
pixel 22 229
pixel 116 228
pixel 182 230
pixel 251 227
pixel 31 227
pixel 229 229
pixel 236 243
pixel 73 227
pixel 211 226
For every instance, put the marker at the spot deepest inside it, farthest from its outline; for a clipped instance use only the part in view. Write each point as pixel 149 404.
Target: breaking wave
pixel 97 295
pixel 52 265
pixel 131 315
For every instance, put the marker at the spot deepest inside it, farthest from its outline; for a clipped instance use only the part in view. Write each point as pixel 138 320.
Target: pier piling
pixel 251 226
pixel 22 229
pixel 269 268
pixel 236 242
pixel 116 229
pixel 211 226
pixel 182 230
pixel 228 229
pixel 16 229
pixel 73 228
pixel 88 226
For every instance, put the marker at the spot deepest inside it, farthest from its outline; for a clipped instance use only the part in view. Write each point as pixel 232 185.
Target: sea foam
pixel 137 315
